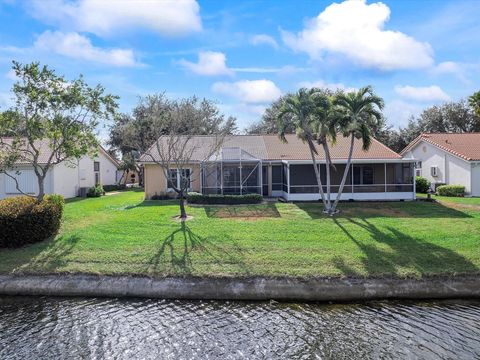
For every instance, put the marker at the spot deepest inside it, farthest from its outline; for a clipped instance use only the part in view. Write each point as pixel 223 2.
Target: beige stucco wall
pixel 156 182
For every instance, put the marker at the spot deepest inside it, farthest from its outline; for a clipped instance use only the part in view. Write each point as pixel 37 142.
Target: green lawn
pixel 474 201
pixel 122 234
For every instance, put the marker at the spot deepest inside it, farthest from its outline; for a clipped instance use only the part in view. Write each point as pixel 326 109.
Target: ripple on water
pixel 52 328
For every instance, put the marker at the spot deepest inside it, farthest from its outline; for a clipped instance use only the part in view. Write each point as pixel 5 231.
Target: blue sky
pixel 244 54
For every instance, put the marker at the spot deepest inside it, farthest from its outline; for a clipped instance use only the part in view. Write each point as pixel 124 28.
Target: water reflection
pixel 50 328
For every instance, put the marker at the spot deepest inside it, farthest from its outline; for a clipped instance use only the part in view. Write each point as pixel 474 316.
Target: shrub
pixel 116 187
pixel 95 191
pixel 25 220
pixel 422 184
pixel 451 190
pixel 161 197
pixel 197 198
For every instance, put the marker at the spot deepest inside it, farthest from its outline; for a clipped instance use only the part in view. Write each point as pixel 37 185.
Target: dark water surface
pixel 60 328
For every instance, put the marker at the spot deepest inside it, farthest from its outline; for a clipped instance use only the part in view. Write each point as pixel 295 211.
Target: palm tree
pixel 324 128
pixel 301 108
pixel 358 112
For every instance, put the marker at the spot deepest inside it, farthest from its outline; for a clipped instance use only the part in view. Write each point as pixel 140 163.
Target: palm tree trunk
pixel 317 174
pixel 345 174
pixel 328 162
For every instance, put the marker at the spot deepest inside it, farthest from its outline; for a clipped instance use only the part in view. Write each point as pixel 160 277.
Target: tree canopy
pixel 53 115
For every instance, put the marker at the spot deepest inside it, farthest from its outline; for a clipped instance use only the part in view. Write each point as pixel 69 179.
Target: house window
pixel 172 179
pixel 362 175
pixel 96 170
pixel 175 178
pixel 418 168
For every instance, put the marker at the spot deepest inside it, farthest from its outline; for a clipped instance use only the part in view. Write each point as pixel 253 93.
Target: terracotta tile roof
pixel 295 149
pixel 269 147
pixel 464 145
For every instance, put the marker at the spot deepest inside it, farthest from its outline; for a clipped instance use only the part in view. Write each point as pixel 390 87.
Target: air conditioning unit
pixel 434 171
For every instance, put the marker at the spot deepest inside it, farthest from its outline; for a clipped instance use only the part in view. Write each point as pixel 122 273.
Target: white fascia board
pixel 354 161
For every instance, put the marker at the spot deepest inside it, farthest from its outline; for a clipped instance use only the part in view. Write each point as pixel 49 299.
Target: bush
pixel 116 187
pixel 451 190
pixel 422 184
pixel 96 191
pixel 25 220
pixel 197 198
pixel 161 197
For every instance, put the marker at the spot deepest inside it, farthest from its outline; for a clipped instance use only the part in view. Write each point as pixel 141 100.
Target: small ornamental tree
pixel 53 121
pixel 178 147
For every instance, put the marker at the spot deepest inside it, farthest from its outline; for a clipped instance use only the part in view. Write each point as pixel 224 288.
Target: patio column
pixel 351 175
pixel 269 180
pixel 221 177
pixel 385 178
pixel 288 178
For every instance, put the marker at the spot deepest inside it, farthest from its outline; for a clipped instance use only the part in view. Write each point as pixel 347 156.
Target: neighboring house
pixel 65 178
pixel 265 165
pixel 448 158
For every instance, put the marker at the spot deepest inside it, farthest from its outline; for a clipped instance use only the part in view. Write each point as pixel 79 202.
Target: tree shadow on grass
pixel 150 203
pixel 268 210
pixel 402 252
pixel 176 250
pixel 385 209
pixel 44 257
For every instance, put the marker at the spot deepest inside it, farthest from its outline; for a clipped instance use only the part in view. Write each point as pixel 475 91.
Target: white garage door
pixel 26 179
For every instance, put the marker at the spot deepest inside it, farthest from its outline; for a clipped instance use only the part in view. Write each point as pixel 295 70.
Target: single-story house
pixel 448 158
pixel 65 178
pixel 263 164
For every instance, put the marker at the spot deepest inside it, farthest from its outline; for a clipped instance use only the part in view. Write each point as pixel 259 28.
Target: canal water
pixel 73 328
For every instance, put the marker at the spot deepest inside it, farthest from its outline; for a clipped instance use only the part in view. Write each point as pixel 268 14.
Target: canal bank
pixel 254 288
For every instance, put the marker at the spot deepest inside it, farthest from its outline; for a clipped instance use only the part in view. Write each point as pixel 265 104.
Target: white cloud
pixel 78 46
pixel 107 17
pixel 454 68
pixel 323 84
pixel 249 91
pixel 398 112
pixel 6 100
pixel 11 75
pixel 426 93
pixel 263 39
pixel 210 63
pixel 356 30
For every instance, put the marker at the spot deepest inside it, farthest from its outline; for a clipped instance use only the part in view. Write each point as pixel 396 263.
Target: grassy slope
pixel 121 234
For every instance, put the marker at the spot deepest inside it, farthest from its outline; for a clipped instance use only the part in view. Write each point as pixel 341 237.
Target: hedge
pixel 96 191
pixel 451 190
pixel 197 198
pixel 422 184
pixel 116 187
pixel 25 220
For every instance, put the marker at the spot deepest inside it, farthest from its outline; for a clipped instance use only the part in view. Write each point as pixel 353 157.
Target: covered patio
pixel 365 181
pixel 231 171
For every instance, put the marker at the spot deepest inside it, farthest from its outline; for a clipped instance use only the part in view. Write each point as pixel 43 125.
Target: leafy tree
pixel 359 113
pixel 298 111
pixel 51 115
pixel 455 117
pixel 134 134
pixel 474 102
pixel 176 130
pixel 269 122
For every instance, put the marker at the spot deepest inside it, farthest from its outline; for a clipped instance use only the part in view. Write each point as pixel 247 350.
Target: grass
pixel 122 234
pixel 473 201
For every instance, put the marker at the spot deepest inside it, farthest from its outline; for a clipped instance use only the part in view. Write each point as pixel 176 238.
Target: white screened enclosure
pixel 232 171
